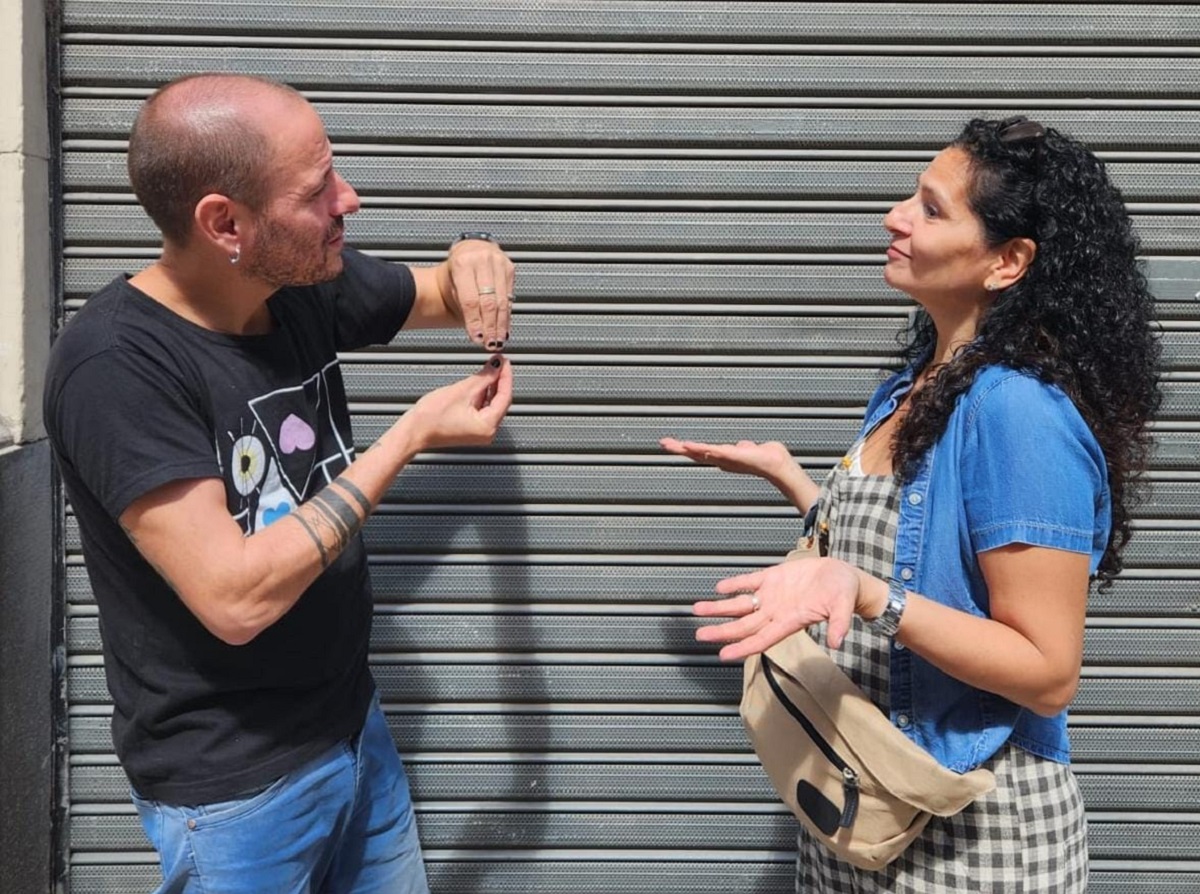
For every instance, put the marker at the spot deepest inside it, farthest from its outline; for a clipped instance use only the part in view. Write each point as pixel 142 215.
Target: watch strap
pixel 477 234
pixel 888 621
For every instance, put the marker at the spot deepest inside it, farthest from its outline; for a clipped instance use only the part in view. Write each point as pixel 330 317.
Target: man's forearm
pixel 281 561
pixel 330 520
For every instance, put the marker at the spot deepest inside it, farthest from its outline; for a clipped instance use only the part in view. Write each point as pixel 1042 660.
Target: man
pixel 200 423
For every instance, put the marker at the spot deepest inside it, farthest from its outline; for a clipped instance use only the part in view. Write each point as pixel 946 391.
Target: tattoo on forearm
pixel 338 515
pixel 315 538
pixel 331 521
pixel 352 489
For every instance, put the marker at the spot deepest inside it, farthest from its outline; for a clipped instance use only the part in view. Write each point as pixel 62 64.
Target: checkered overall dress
pixel 1029 835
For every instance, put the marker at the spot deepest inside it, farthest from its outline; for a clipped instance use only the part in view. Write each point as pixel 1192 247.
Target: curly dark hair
pixel 1081 318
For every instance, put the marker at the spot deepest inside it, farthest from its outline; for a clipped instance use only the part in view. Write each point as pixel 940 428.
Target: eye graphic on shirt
pixel 248 463
pixel 291 445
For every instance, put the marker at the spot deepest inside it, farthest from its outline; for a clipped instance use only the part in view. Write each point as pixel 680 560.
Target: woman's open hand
pixel 768 460
pixel 770 605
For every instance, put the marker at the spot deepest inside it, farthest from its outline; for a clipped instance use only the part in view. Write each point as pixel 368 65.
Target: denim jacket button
pixel 914 499
pixel 906 573
pixel 902 721
pixel 899 647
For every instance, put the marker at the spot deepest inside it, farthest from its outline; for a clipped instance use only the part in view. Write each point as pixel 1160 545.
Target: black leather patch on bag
pixel 824 813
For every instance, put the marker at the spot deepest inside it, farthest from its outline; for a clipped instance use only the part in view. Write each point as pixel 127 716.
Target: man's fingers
pixel 512 298
pixel 493 285
pixel 468 300
pixel 504 386
pixel 498 393
pixel 482 278
pixel 503 281
pixel 488 301
pixel 472 271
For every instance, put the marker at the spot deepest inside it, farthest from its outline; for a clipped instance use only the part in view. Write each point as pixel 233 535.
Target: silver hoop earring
pixel 236 256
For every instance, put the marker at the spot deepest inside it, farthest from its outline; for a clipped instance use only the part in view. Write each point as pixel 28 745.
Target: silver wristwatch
pixel 888 621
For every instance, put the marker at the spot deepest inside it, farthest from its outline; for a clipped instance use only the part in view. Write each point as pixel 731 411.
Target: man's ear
pixel 219 222
pixel 1012 261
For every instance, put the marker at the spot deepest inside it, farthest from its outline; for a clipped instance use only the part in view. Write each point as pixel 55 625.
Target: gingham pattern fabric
pixel 1028 836
pixel 857 519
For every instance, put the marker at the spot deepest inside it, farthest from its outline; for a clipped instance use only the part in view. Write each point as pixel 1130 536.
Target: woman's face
pixel 938 254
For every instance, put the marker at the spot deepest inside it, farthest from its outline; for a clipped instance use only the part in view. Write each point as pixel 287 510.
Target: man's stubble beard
pixel 281 258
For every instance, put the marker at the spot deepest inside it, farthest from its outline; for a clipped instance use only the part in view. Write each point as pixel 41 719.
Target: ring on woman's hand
pixel 487 290
pixel 755 605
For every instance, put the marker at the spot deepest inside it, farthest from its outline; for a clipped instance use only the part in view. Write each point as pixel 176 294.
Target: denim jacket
pixel 1016 464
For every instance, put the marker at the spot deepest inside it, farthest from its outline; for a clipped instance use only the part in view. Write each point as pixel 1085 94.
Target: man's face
pixel 297 237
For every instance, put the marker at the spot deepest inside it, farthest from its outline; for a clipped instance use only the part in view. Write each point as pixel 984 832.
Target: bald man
pixel 199 420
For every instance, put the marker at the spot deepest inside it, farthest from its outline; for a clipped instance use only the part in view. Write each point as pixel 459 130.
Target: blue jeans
pixel 341 823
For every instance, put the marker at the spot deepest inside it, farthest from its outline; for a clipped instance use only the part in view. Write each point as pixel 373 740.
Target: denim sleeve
pixel 1032 472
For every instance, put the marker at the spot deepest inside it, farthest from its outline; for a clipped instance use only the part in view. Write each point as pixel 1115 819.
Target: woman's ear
pixel 1012 260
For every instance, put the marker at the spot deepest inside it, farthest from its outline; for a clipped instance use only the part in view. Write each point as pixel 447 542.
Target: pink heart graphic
pixel 295 434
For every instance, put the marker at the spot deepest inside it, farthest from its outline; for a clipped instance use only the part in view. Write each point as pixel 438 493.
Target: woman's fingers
pixel 731 631
pixel 759 641
pixel 693 450
pixel 741 582
pixel 841 614
pixel 775 602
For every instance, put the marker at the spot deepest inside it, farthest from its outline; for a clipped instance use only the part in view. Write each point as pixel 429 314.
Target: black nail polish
pixel 499 345
pixel 495 362
pixel 491 344
pixel 479 335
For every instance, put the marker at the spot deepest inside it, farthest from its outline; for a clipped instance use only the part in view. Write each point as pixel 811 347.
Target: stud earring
pixel 990 286
pixel 236 256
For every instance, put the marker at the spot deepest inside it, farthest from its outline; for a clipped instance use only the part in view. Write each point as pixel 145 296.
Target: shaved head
pixel 200 135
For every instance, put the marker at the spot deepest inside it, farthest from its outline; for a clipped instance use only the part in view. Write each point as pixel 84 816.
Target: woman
pixel 991 483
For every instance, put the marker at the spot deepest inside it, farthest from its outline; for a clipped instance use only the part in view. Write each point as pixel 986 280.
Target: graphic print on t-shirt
pixel 293 448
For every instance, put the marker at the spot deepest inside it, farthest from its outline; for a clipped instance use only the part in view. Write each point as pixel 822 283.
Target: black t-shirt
pixel 136 397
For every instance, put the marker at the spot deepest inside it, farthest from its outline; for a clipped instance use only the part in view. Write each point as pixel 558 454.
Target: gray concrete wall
pixel 26 281
pixel 27 609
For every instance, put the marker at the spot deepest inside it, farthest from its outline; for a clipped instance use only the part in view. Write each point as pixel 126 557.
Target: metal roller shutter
pixel 693 193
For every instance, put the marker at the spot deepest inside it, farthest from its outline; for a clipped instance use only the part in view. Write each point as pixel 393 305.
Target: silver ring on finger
pixel 755 605
pixel 487 290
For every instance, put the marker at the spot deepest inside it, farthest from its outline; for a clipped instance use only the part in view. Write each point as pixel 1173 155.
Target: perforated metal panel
pixel 693 192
